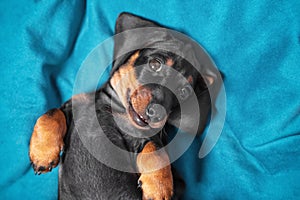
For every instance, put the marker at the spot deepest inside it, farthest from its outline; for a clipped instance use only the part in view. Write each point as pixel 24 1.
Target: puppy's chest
pixel 121 133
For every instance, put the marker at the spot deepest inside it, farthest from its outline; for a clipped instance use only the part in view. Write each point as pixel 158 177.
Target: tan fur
pixel 80 98
pixel 169 62
pixel 124 79
pixel 47 139
pixel 157 182
pixel 190 79
pixel 140 99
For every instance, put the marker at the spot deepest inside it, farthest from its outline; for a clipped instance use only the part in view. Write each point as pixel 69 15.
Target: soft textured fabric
pixel 255 44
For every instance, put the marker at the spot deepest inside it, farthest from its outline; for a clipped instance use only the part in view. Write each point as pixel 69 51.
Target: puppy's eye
pixel 185 92
pixel 155 64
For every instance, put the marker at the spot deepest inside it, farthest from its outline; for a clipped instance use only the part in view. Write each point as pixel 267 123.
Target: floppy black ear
pixel 130 38
pixel 127 21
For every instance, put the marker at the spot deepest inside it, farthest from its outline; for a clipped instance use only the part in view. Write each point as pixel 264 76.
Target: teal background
pixel 255 44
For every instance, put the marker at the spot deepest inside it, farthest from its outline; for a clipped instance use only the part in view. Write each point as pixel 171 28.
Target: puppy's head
pixel 154 73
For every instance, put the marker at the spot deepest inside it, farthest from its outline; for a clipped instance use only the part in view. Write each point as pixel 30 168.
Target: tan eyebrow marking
pixel 190 79
pixel 169 62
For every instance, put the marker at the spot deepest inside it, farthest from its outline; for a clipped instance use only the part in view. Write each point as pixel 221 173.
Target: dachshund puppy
pixel 154 77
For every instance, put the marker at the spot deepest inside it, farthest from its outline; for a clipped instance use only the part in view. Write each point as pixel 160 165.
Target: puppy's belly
pixel 81 176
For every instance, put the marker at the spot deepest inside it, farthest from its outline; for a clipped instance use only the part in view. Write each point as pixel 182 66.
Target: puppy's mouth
pixel 137 118
pixel 150 116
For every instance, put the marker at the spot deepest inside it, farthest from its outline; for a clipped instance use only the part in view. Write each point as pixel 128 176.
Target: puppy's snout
pixel 156 112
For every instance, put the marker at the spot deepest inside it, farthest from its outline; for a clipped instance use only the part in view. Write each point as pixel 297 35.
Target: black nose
pixel 156 112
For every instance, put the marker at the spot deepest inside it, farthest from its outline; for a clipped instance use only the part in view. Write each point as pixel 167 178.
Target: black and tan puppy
pixel 155 74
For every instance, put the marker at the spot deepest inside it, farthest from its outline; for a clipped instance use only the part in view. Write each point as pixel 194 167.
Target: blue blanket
pixel 255 44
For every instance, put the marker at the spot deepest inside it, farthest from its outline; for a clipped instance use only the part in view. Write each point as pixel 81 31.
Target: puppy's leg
pixel 47 141
pixel 156 182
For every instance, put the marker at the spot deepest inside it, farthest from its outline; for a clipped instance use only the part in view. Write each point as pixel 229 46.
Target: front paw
pixel 157 185
pixel 47 141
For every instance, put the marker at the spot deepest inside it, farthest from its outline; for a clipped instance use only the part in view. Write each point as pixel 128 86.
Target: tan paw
pixel 157 185
pixel 46 141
